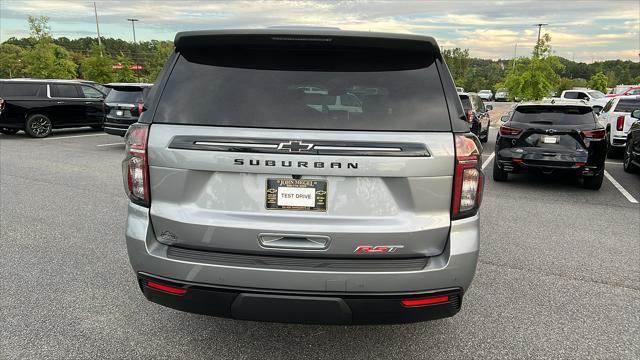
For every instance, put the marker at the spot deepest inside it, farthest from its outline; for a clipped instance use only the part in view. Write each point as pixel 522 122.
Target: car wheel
pixel 485 138
pixel 593 182
pixel 9 131
pixel 499 174
pixel 38 126
pixel 626 159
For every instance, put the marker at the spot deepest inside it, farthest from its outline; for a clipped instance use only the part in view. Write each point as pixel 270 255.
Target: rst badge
pixel 379 249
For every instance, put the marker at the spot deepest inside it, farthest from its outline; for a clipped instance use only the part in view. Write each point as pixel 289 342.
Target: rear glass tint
pixel 9 89
pixel 124 95
pixel 466 102
pixel 65 91
pixel 627 105
pixel 554 115
pixel 305 89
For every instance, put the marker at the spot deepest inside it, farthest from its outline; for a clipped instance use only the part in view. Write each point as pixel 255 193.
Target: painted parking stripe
pixel 112 144
pixel 486 162
pixel 622 190
pixel 74 136
pixel 613 162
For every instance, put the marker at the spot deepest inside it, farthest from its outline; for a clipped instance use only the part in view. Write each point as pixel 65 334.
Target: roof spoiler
pixel 315 37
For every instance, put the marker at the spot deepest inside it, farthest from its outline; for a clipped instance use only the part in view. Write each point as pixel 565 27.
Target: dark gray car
pixel 253 196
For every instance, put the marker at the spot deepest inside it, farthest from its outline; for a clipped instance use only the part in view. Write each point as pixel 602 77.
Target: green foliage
pixel 535 78
pixel 96 66
pixel 125 74
pixel 46 59
pixel 458 62
pixel 39 27
pixel 599 82
pixel 11 60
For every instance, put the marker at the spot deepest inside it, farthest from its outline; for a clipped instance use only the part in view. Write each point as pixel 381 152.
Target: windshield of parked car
pixel 554 115
pixel 127 95
pixel 485 91
pixel 596 94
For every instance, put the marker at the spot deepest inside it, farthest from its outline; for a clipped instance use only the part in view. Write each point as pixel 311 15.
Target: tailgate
pixel 209 190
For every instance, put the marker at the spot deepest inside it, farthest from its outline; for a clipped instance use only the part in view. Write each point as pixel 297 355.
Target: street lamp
pixel 133 26
pixel 135 60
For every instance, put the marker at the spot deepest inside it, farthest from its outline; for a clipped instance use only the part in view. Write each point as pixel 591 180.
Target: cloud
pixel 487 28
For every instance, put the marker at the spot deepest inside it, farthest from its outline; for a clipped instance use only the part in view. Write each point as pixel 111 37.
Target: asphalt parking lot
pixel 558 277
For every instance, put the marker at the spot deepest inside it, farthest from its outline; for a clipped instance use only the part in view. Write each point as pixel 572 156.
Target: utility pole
pixel 135 60
pixel 515 54
pixel 540 25
pixel 95 11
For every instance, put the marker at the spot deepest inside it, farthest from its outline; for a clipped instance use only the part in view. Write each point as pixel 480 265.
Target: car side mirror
pixel 635 114
pixel 597 110
pixel 504 118
pixel 488 107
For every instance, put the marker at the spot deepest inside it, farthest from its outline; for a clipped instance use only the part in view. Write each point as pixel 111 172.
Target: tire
pixel 499 174
pixel 9 131
pixel 38 126
pixel 485 138
pixel 627 165
pixel 593 182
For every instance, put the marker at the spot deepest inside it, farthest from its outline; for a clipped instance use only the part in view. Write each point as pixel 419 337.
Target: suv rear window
pixel 124 95
pixel 466 102
pixel 554 115
pixel 24 89
pixel 627 105
pixel 333 89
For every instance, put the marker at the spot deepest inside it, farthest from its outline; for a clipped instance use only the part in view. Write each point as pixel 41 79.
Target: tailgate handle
pixel 294 241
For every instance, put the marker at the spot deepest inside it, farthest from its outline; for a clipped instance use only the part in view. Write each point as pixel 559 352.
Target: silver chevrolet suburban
pixel 253 196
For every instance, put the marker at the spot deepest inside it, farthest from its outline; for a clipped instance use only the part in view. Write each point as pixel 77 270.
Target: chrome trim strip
pixel 211 143
pixel 355 148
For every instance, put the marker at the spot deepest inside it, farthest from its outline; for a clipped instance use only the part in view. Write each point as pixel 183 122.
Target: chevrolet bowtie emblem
pixel 295 146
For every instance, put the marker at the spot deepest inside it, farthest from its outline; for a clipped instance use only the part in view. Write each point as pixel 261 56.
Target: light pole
pixel 135 60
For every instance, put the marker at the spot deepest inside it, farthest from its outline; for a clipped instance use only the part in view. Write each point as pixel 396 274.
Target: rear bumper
pixel 586 163
pixel 116 129
pixel 453 269
pixel 300 307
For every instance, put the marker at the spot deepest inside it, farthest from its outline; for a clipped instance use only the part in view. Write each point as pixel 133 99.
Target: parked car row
pixel 39 106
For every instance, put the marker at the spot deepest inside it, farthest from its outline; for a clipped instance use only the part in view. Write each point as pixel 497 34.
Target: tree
pixel 39 27
pixel 11 60
pixel 535 78
pixel 599 82
pixel 97 67
pixel 458 62
pixel 124 74
pixel 46 59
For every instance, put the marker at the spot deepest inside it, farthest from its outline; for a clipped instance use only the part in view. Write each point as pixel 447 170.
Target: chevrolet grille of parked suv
pixel 549 137
pixel 39 106
pixel 250 199
pixel 123 106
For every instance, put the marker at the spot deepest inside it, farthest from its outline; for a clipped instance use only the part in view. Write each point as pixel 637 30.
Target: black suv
pixel 552 137
pixel 39 106
pixel 477 114
pixel 123 106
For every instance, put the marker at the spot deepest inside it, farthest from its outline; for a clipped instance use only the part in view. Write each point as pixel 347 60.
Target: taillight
pixel 2 104
pixel 468 181
pixel 470 116
pixel 425 301
pixel 509 131
pixel 620 123
pixel 135 167
pixel 167 288
pixel 594 134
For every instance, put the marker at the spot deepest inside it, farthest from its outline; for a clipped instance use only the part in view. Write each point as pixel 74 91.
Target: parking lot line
pixel 74 136
pixel 622 190
pixel 486 162
pixel 613 162
pixel 112 144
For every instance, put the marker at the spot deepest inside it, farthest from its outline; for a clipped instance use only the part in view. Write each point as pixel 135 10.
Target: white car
pixel 501 95
pixel 595 98
pixel 486 95
pixel 616 118
pixel 459 89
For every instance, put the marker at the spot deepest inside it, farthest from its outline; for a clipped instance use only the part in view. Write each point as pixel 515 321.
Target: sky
pixel 580 30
